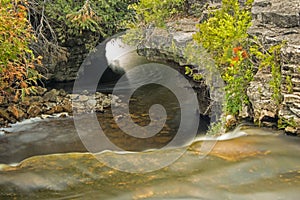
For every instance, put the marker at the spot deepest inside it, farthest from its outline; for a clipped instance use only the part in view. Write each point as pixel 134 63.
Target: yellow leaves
pixel 21 7
pixel 23 84
pixel 16 58
pixel 14 111
pixel 85 19
pixel 17 95
pixel 20 15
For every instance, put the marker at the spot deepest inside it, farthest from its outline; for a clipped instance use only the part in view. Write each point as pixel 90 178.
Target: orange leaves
pixel 244 54
pixel 23 84
pixel 239 54
pixel 16 58
pixel 20 15
pixel 23 8
pixel 237 49
pixel 236 58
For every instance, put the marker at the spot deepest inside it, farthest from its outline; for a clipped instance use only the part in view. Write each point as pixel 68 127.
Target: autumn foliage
pixel 17 72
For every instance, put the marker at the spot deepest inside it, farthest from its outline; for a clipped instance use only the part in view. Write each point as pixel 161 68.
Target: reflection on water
pixel 257 166
pixel 60 136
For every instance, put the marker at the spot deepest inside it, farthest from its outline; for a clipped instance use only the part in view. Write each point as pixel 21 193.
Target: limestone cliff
pixel 275 21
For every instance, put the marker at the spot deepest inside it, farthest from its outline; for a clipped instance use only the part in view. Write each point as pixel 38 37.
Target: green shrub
pixel 225 29
pixel 154 12
pixel 149 12
pixel 237 55
pixel 74 18
pixel 270 58
pixel 224 35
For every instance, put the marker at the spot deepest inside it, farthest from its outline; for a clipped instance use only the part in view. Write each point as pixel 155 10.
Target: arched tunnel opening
pixel 117 65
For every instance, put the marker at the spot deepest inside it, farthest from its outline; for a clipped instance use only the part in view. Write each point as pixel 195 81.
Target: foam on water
pixel 29 123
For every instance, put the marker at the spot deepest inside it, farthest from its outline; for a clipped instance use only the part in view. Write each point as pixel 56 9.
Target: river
pixel 262 164
pixel 46 159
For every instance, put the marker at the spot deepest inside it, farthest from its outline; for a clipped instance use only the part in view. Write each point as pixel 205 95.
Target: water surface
pixel 261 165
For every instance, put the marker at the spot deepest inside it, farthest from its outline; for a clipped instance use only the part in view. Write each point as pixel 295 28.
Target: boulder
pixel 3 100
pixel 16 112
pixel 4 114
pixel 55 109
pixel 51 95
pixel 34 110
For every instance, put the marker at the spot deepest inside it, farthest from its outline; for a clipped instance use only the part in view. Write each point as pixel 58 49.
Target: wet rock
pixel 106 102
pixel 33 99
pixel 51 95
pixel 62 93
pixel 73 97
pixel 34 110
pixel 231 121
pixel 91 103
pixel 53 102
pixel 49 105
pixel 67 107
pixel 25 102
pixel 85 92
pixel 291 130
pixel 99 95
pixel 16 112
pixel 40 91
pixel 82 98
pixel 55 109
pixel 2 122
pixel 78 107
pixel 4 115
pixel 99 108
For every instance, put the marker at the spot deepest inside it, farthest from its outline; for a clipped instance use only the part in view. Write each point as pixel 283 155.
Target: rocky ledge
pixel 274 21
pixel 45 103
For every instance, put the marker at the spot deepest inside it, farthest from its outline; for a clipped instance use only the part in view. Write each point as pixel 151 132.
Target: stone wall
pixel 62 65
pixel 168 44
pixel 275 21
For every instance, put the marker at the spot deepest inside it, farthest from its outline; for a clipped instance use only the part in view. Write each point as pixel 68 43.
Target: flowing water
pixel 45 159
pixel 262 164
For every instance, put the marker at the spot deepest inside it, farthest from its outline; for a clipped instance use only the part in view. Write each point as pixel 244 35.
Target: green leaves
pixel 226 28
pixel 155 11
pixel 149 12
pixel 225 37
pixel 191 72
pixel 74 18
